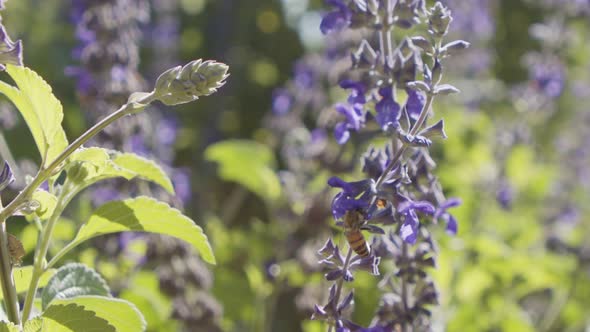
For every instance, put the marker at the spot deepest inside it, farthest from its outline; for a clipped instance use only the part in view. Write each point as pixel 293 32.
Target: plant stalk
pixel 46 172
pixel 8 287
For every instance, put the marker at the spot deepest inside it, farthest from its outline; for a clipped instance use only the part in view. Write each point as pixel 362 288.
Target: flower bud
pixel 197 78
pixel 439 19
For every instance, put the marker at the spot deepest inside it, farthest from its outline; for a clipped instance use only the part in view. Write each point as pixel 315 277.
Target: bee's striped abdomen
pixel 358 243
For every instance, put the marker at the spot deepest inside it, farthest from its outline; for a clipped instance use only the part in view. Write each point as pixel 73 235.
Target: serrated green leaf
pixel 145 214
pixel 34 325
pixel 248 163
pixel 144 168
pixel 41 110
pixel 73 317
pixel 8 327
pixel 73 280
pixel 89 165
pixel 22 278
pixel 97 313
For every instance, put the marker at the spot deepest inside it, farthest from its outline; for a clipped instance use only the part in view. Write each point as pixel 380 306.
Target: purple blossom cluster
pixel 109 33
pixel 399 194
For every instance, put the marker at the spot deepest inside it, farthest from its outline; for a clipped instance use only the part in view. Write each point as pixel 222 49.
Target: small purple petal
pixel 341 133
pixel 452 225
pixel 281 101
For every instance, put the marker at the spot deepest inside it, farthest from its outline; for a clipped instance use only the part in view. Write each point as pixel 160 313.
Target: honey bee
pixel 353 222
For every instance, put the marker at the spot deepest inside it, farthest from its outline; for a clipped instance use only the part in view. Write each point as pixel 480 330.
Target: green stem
pixel 46 172
pixel 341 282
pixel 415 129
pixel 8 287
pixel 39 265
pixel 61 254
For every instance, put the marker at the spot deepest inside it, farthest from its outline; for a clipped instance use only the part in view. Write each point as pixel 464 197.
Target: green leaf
pixel 92 313
pixel 22 278
pixel 144 168
pixel 144 214
pixel 90 165
pixel 8 327
pixel 34 325
pixel 41 110
pixel 143 290
pixel 73 280
pixel 47 203
pixel 248 163
pixel 72 317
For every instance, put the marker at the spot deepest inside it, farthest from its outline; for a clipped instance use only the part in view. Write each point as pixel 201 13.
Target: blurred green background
pixel 522 268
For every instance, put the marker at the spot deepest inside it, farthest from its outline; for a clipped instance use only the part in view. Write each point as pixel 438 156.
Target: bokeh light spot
pixel 268 21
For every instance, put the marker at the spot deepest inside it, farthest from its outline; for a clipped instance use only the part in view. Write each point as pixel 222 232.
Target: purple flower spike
pixel 336 20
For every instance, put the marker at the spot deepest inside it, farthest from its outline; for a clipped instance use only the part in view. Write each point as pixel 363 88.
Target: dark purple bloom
pixel 357 95
pixel 387 110
pixel 355 119
pixel 505 196
pixel 337 19
pixel 281 101
pixel 352 188
pixel 441 213
pixel 342 203
pixel 415 103
pixel 409 209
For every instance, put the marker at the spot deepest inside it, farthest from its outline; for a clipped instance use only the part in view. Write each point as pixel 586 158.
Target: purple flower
pixel 337 19
pixel 357 95
pixel 355 119
pixel 387 110
pixel 281 101
pixel 505 196
pixel 441 213
pixel 409 209
pixel 415 103
pixel 342 203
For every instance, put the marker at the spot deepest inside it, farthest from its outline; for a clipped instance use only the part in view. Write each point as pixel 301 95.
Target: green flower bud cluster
pixel 198 78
